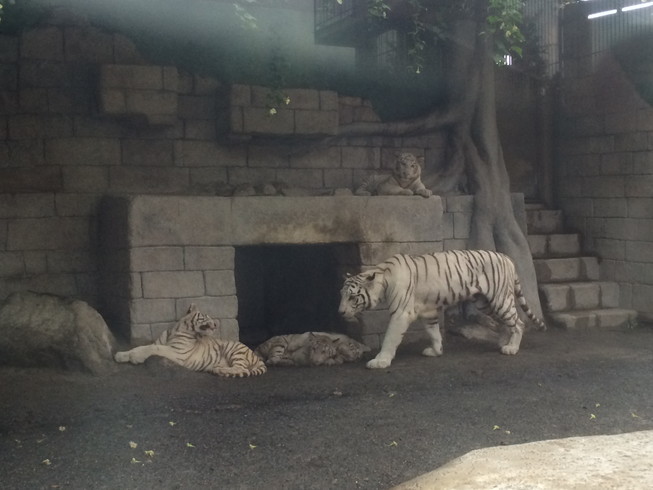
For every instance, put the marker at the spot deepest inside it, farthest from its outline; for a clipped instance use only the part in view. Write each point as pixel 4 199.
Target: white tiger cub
pixel 310 349
pixel 405 180
pixel 420 286
pixel 189 343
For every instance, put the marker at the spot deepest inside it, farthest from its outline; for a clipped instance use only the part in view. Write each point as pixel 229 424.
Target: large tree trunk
pixel 494 226
pixel 474 149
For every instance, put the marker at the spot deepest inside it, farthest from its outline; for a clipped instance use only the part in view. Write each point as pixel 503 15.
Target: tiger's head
pixel 350 350
pixel 360 292
pixel 321 349
pixel 198 322
pixel 408 168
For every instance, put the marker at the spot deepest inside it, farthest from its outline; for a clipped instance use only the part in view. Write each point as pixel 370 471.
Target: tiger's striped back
pixel 223 357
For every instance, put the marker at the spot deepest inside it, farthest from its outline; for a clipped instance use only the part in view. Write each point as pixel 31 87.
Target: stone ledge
pixel 212 221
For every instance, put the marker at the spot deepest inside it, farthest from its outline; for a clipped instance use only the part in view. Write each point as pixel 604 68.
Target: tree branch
pixel 433 121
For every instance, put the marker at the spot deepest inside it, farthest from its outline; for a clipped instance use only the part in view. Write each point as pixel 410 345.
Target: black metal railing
pixel 339 23
pixel 328 12
pixel 544 16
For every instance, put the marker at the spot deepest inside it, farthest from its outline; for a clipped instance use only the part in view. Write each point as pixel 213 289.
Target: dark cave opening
pixel 284 289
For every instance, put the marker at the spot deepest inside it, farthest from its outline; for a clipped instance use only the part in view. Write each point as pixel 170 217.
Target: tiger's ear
pixel 192 308
pixel 420 160
pixel 369 276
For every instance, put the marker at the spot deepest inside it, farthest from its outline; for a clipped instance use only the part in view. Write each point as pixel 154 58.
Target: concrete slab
pixel 155 220
pixel 616 461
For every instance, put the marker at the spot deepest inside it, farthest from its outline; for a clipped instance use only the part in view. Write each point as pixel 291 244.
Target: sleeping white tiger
pixel 310 349
pixel 189 343
pixel 420 286
pixel 405 179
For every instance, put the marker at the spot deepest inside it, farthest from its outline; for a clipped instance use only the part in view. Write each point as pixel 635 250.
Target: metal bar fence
pixel 615 21
pixel 577 29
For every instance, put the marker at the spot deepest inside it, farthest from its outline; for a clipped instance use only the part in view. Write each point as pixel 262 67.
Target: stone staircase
pixel 571 292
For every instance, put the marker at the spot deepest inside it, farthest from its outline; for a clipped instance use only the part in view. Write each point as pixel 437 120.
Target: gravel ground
pixel 344 427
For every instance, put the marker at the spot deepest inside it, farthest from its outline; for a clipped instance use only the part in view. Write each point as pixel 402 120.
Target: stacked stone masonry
pixel 605 169
pixel 134 90
pixel 83 115
pixel 163 252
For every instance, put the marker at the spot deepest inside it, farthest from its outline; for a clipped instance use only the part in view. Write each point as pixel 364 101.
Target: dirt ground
pixel 316 428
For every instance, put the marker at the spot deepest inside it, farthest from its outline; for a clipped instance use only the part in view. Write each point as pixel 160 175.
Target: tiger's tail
pixel 521 299
pixel 258 370
pixel 252 364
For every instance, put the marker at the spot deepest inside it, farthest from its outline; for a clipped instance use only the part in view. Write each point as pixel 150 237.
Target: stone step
pixel 612 318
pixel 554 245
pixel 533 205
pixel 544 221
pixel 570 269
pixel 571 296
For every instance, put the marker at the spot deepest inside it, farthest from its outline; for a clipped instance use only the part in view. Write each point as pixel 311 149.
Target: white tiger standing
pixel 420 286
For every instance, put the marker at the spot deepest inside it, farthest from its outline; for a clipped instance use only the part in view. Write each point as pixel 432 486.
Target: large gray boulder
pixel 43 330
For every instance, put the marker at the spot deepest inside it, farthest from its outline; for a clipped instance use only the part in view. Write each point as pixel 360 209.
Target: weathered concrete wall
pixel 605 167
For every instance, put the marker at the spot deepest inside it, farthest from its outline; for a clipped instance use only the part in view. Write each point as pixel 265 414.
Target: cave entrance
pixel 284 289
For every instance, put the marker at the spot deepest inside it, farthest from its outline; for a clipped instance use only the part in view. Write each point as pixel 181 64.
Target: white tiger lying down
pixel 420 286
pixel 310 349
pixel 190 344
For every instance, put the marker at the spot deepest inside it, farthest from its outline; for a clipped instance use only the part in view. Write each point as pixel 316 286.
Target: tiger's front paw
pixel 377 363
pixel 509 350
pixel 130 356
pixel 424 192
pixel 431 352
pixel 121 356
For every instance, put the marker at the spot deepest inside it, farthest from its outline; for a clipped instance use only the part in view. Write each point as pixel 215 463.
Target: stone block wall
pixel 605 168
pixel 134 90
pixel 83 115
pixel 256 110
pixel 160 253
